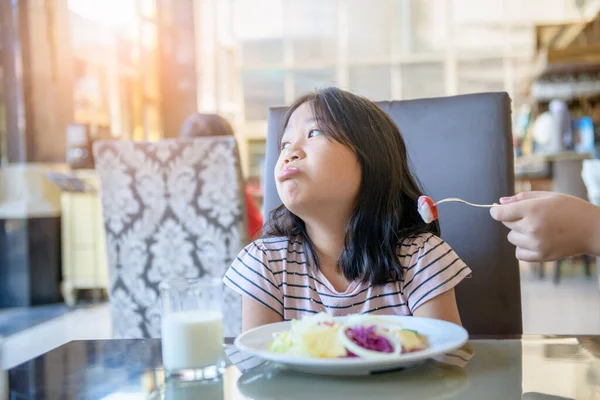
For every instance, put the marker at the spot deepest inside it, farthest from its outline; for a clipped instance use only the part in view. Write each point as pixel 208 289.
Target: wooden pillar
pixel 176 41
pixel 47 66
pixel 38 100
pixel 12 137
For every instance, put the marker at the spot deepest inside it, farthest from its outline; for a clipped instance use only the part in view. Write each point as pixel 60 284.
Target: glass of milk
pixel 192 328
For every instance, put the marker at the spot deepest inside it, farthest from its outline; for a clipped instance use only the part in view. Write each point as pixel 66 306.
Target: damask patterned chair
pixel 173 208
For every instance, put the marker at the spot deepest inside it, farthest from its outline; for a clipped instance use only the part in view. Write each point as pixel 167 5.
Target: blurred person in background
pixel 199 125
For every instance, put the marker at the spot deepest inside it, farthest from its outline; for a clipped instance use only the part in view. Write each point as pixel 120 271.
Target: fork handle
pixel 454 199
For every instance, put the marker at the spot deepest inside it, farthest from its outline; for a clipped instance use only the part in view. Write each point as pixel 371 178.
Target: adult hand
pixel 547 226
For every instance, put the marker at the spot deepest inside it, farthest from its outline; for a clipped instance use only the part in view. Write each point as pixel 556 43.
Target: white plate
pixel 443 337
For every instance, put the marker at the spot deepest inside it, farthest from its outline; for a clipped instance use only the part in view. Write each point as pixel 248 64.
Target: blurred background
pixel 76 71
pixel 135 69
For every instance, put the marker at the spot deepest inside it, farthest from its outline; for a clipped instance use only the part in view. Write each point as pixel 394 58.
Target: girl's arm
pixel 440 307
pixel 255 314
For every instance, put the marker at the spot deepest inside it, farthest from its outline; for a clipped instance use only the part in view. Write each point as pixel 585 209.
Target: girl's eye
pixel 314 132
pixel 284 145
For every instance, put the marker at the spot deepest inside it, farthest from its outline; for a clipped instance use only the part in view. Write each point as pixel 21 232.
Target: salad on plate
pixel 363 336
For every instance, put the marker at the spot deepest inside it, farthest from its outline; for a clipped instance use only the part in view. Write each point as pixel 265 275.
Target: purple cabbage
pixel 367 338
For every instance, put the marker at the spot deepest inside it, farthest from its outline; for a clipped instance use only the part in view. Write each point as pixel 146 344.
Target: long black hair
pixel 385 213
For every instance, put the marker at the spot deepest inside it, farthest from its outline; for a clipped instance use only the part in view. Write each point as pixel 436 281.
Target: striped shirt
pixel 276 273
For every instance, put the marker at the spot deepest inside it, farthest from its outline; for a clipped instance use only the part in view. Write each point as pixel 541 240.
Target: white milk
pixel 192 339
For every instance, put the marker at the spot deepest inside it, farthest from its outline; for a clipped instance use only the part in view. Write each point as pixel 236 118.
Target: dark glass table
pixel 502 368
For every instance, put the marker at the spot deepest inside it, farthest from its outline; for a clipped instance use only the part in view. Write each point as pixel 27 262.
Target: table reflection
pixel 532 369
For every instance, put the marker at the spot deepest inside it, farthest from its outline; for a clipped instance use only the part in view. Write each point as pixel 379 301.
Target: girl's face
pixel 314 173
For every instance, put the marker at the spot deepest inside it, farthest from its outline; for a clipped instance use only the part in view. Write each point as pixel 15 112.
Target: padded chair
pixel 458 147
pixel 172 208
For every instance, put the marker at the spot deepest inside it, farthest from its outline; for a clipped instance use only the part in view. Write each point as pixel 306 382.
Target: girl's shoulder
pixel 415 244
pixel 419 245
pixel 275 254
pixel 429 267
pixel 279 244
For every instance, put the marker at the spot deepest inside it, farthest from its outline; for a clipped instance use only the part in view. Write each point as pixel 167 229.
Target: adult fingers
pixel 524 196
pixel 528 255
pixel 521 240
pixel 507 212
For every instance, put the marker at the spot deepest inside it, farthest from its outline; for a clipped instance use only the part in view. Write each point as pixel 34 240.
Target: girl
pixel 348 238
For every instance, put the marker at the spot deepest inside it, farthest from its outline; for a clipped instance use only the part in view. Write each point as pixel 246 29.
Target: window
pixel 476 76
pixel 312 26
pixel 373 82
pixel 369 34
pixel 309 80
pixel 262 52
pixel 422 26
pixel 262 89
pixel 422 80
pixel 148 8
pixel 152 122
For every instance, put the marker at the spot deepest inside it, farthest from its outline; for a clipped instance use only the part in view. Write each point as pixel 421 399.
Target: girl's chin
pixel 295 206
